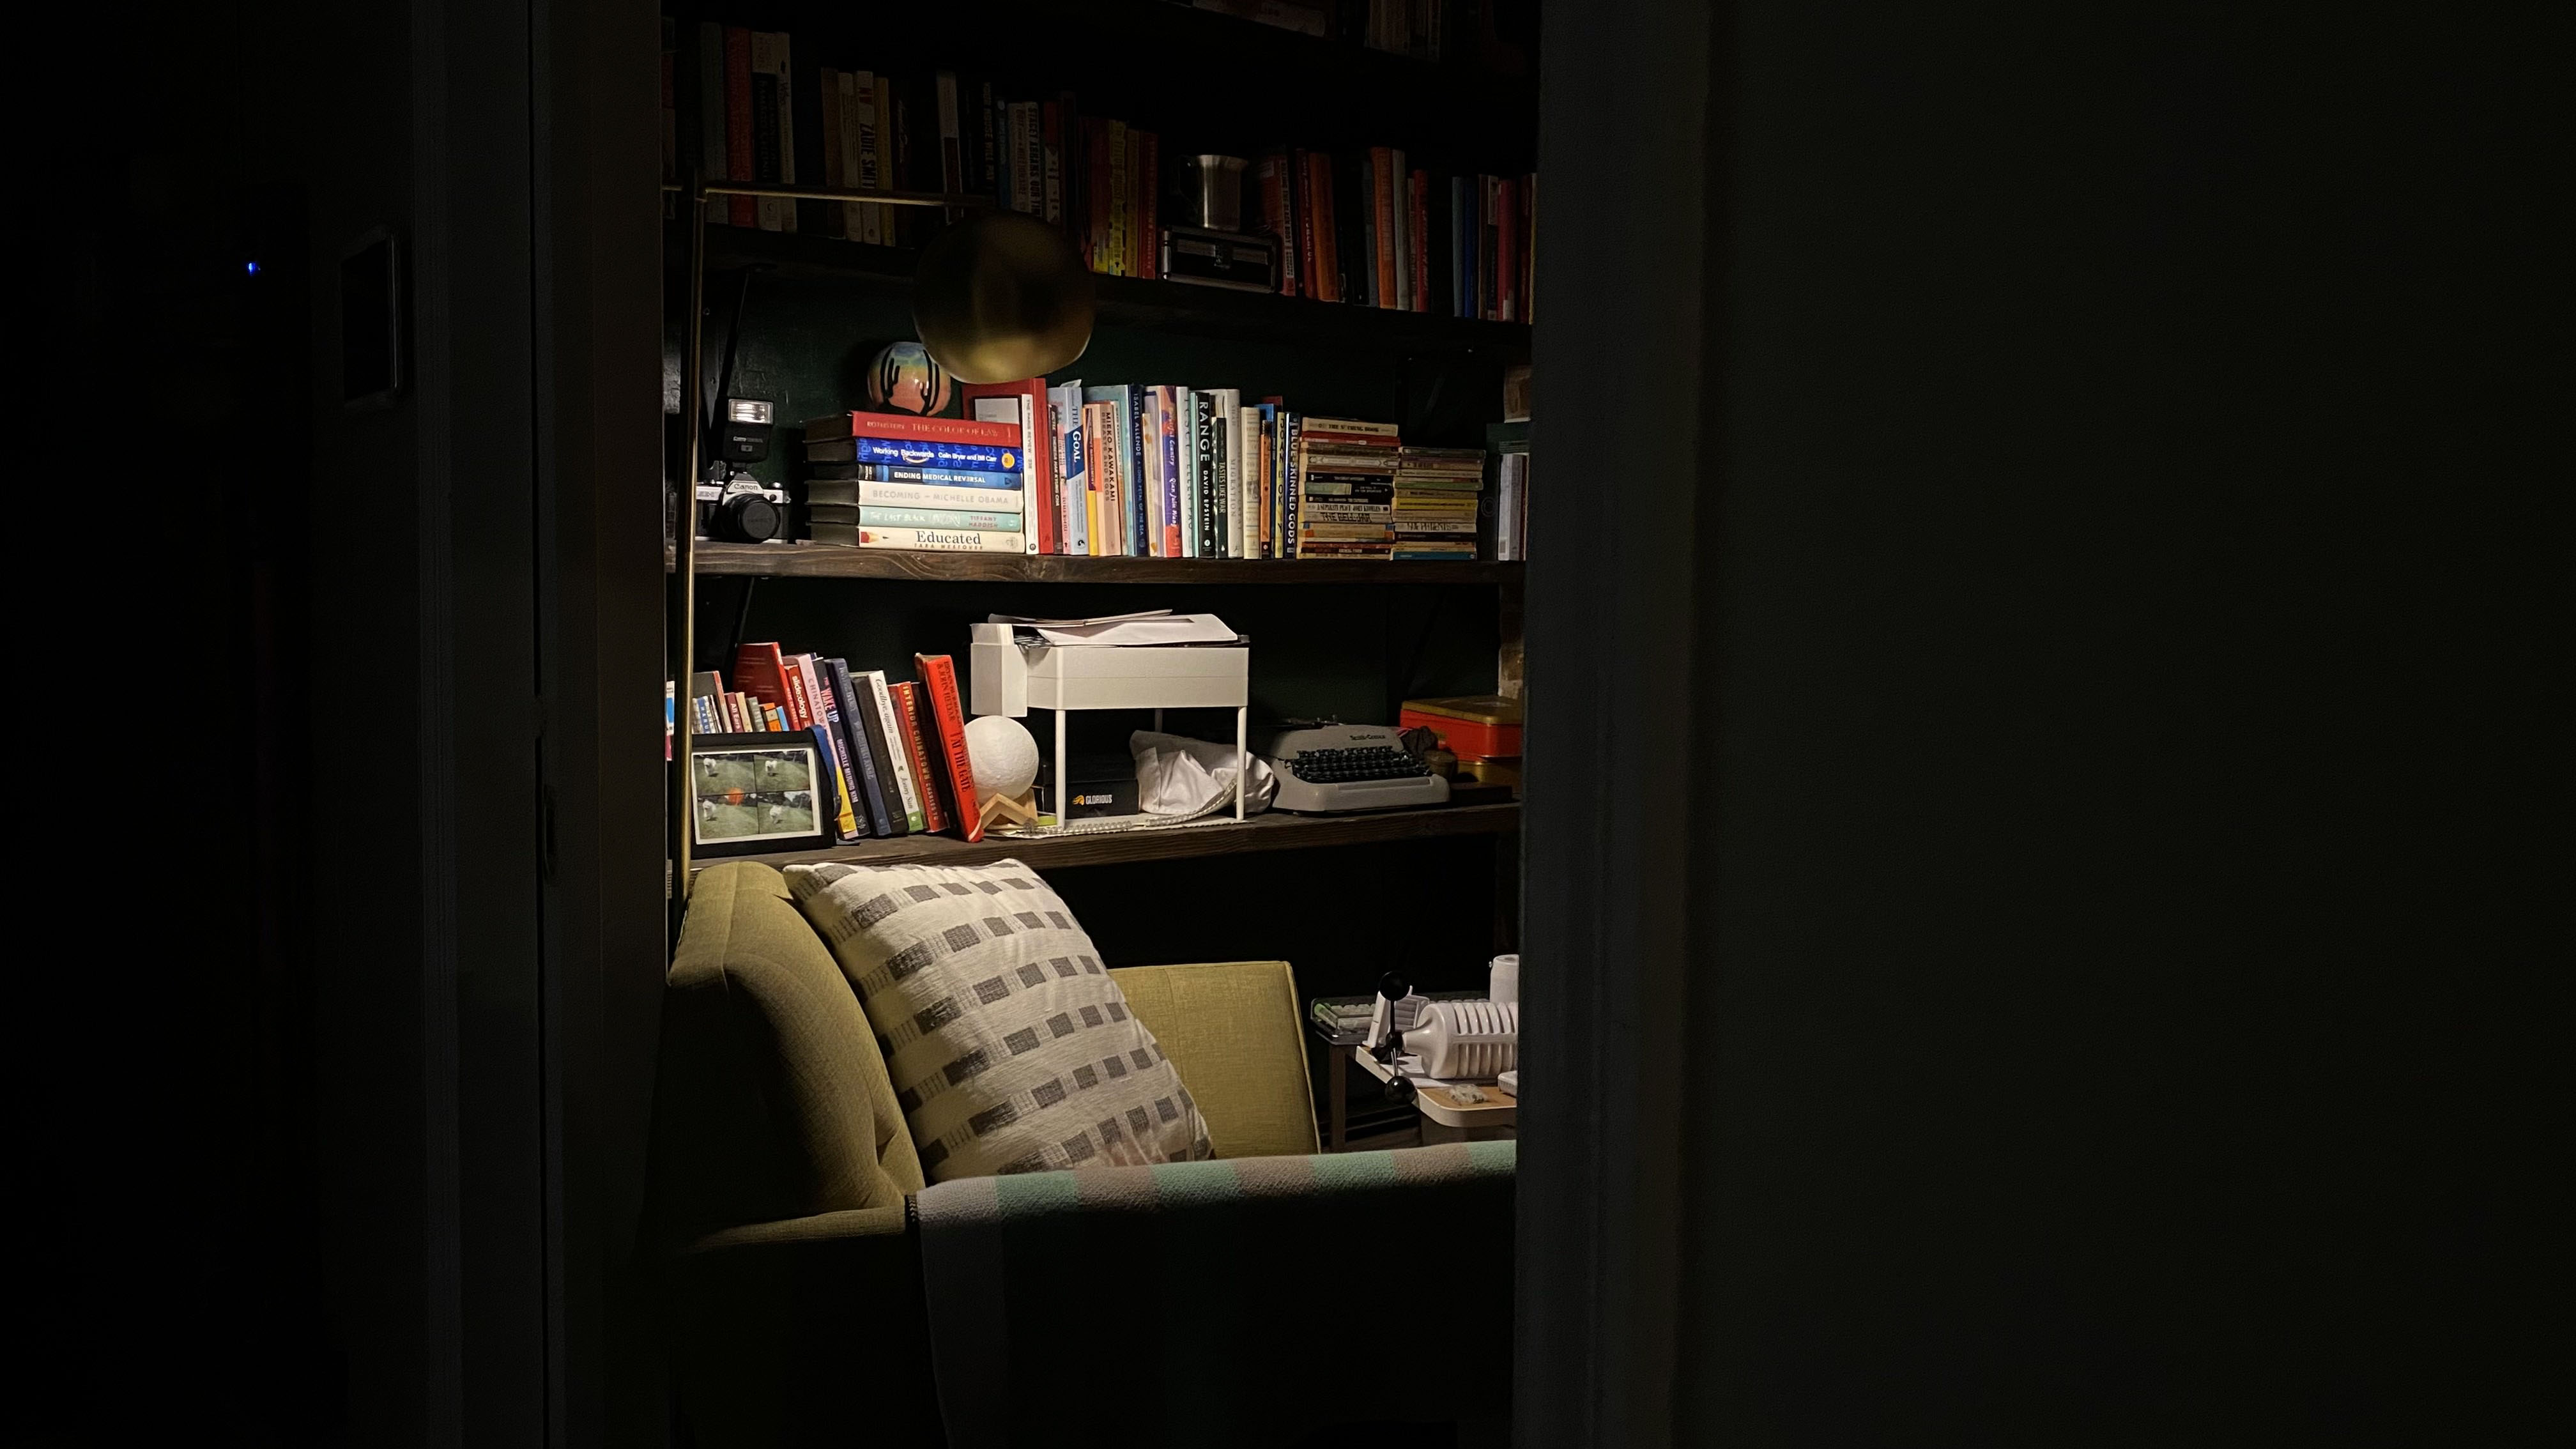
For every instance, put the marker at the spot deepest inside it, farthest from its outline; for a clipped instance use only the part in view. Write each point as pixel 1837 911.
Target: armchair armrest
pixel 804 1331
pixel 1245 1301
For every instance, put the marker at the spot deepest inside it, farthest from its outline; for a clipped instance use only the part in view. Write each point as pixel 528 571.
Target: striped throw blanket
pixel 1258 1301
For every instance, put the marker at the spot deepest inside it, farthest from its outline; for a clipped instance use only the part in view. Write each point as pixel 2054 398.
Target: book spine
pixel 1167 439
pixel 767 141
pixel 1032 191
pixel 793 702
pixel 711 114
pixel 912 712
pixel 903 427
pixel 1398 187
pixel 944 540
pixel 903 796
pixel 958 457
pixel 1369 170
pixel 1202 447
pixel 988 144
pixel 1151 170
pixel 1051 161
pixel 1302 176
pixel 875 516
pixel 1418 206
pixel 821 708
pixel 739 143
pixel 1073 488
pixel 1099 476
pixel 1139 542
pixel 869 760
pixel 871 168
pixel 1098 202
pixel 1507 246
pixel 839 220
pixel 939 681
pixel 1293 426
pixel 1267 175
pixel 952 154
pixel 1171 520
pixel 942 497
pixel 1122 225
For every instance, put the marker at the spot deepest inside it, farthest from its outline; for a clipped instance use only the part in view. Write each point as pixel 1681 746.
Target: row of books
pixel 896 749
pixel 1141 471
pixel 1371 228
pixel 1365 227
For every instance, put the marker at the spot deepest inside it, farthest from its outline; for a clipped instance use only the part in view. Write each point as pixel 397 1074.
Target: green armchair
pixel 790 1256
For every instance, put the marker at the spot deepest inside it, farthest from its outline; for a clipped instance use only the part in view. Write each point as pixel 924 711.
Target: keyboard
pixel 1334 769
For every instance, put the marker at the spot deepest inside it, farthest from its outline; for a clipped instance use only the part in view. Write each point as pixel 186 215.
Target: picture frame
pixel 753 793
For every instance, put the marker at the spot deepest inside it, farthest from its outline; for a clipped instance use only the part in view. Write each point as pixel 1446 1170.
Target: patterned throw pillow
pixel 1010 1047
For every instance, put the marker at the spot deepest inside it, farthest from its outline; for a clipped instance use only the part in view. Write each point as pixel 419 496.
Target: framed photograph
pixel 759 792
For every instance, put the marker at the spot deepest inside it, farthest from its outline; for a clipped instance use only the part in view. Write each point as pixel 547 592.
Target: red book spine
pixel 916 748
pixel 797 705
pixel 1037 443
pixel 1095 201
pixel 905 425
pixel 939 679
pixel 1382 197
pixel 743 210
pixel 1151 175
pixel 761 672
pixel 1310 278
pixel 1418 232
pixel 1328 249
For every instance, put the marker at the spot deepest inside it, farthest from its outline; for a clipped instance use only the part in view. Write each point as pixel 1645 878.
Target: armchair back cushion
pixel 1232 1031
pixel 772 1099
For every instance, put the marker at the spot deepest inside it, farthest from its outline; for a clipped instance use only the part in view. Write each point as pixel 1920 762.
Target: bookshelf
pixel 816 561
pixel 1342 638
pixel 1260 833
pixel 1177 307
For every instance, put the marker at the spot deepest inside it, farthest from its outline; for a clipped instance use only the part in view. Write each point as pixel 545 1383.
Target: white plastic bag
pixel 1175 776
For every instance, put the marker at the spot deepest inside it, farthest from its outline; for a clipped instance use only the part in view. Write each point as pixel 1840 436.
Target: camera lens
pixel 750 518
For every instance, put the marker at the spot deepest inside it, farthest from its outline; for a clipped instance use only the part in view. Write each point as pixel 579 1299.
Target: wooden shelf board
pixel 1136 302
pixel 827 561
pixel 1274 831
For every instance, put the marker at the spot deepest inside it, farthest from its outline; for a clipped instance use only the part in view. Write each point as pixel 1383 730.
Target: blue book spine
pixel 938 518
pixel 1139 519
pixel 948 477
pixel 1270 501
pixel 871 791
pixel 978 457
pixel 1076 475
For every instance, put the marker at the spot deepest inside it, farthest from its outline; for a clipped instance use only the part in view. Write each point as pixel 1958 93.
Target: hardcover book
pixel 912 713
pixel 957 771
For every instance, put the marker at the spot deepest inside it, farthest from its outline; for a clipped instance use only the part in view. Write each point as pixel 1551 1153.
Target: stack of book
pixel 1345 489
pixel 1435 502
pixel 892 480
pixel 895 749
pixel 1511 445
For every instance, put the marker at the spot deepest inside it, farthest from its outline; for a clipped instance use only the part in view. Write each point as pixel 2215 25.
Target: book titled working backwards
pixel 926 454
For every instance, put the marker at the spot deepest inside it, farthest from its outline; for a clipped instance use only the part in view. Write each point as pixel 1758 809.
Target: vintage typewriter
pixel 1332 768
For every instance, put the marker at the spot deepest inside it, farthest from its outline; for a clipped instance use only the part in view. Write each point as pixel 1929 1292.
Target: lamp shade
pixel 1004 755
pixel 1002 297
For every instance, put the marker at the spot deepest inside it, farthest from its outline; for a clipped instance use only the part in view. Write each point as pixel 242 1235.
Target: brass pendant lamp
pixel 1002 297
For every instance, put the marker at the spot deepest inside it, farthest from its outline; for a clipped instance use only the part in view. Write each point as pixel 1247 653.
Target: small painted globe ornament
pixel 903 379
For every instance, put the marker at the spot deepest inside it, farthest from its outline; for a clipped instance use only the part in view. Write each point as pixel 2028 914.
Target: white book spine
pixel 939 495
pixel 883 699
pixel 871 175
pixel 942 540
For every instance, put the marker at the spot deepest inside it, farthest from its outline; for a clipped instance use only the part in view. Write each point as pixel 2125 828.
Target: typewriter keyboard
pixel 1373 762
